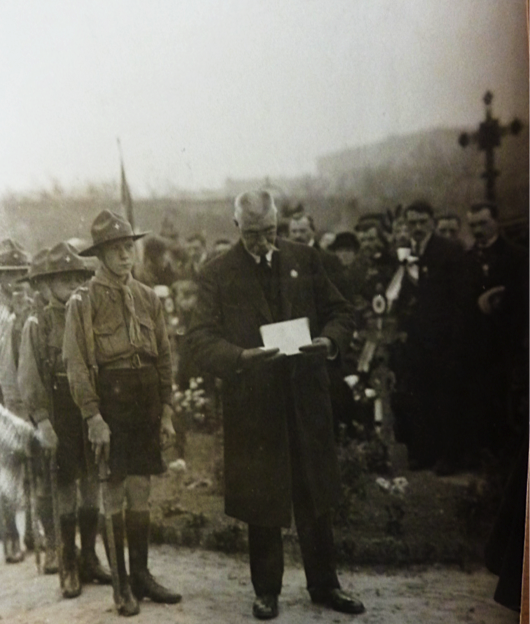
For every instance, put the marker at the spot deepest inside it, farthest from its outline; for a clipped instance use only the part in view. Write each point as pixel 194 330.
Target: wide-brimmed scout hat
pixel 64 258
pixel 13 257
pixel 37 267
pixel 107 227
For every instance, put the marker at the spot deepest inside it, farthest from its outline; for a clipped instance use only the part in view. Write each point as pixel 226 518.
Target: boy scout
pixel 119 367
pixel 43 382
pixel 41 298
pixel 14 263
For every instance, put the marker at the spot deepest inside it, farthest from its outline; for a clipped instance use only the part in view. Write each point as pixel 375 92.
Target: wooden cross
pixel 488 137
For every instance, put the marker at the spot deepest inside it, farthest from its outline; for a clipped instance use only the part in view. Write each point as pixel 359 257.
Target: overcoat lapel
pixel 289 272
pixel 246 281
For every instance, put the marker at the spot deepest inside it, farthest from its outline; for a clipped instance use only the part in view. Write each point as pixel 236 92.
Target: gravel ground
pixel 216 589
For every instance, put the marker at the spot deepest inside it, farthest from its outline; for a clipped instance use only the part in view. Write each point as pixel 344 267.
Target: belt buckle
pixel 136 362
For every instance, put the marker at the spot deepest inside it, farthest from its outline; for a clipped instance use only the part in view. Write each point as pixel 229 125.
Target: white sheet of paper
pixel 287 335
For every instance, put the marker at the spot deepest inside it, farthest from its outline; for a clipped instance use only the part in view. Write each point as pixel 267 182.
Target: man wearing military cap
pixel 14 307
pixel 115 333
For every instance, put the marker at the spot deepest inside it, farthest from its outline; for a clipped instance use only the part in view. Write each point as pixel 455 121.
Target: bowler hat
pixel 13 257
pixel 63 258
pixel 108 227
pixel 38 266
pixel 344 240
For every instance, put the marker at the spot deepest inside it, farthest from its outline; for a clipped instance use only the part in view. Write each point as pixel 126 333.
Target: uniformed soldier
pixel 119 367
pixel 14 263
pixel 43 382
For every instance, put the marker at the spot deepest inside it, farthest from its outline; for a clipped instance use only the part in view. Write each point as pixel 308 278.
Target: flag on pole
pixel 126 199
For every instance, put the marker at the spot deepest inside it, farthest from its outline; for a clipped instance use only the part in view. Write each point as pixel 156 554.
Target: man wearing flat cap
pixel 118 364
pixel 278 430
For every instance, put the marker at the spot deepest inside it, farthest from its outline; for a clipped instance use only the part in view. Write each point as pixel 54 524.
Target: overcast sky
pixel 199 91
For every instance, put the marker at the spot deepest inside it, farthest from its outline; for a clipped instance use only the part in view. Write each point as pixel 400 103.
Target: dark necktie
pixel 263 264
pixel 265 277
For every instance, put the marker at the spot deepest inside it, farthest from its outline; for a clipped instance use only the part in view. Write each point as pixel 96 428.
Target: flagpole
pixel 126 198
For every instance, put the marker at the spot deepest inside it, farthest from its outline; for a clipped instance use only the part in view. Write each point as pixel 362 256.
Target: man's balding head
pixel 254 207
pixel 256 217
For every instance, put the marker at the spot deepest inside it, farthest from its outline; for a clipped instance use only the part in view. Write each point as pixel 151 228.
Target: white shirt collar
pixel 419 248
pixel 268 255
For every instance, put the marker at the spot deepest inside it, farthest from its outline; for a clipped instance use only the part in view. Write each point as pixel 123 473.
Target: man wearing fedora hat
pixel 118 364
pixel 14 307
pixel 44 386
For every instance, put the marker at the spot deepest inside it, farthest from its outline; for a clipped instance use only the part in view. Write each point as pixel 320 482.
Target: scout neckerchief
pixel 106 278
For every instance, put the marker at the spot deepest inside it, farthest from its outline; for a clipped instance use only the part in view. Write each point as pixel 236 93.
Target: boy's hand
pixel 99 437
pixel 47 436
pixel 167 431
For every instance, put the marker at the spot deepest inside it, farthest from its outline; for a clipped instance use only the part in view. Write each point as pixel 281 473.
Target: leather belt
pixel 136 361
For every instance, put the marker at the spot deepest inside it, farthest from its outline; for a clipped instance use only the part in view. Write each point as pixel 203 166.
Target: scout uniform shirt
pixel 33 363
pixel 10 343
pixel 108 321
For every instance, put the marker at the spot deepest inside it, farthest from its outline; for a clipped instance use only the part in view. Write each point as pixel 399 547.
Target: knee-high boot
pixel 129 605
pixel 90 568
pixel 45 513
pixel 71 583
pixel 142 582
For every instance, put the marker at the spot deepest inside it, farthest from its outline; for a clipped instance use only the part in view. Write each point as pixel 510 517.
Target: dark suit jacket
pixel 434 315
pixel 499 335
pixel 334 269
pixel 256 403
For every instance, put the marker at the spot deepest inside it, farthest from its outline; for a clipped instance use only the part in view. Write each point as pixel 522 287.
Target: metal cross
pixel 488 137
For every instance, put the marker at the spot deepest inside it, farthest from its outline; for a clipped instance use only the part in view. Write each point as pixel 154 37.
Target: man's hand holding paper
pixel 287 336
pixel 294 338
pixel 320 347
pixel 251 357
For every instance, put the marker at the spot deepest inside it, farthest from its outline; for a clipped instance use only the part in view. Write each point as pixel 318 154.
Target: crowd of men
pixel 90 351
pixel 458 312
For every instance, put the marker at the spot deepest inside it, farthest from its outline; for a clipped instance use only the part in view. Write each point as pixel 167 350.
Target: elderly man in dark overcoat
pixel 278 433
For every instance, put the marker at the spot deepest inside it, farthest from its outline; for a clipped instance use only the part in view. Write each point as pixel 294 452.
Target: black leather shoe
pixel 265 607
pixel 143 585
pixel 338 600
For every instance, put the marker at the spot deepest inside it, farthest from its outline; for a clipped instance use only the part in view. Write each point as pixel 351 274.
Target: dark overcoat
pixel 499 334
pixel 256 404
pixel 435 315
pixel 429 312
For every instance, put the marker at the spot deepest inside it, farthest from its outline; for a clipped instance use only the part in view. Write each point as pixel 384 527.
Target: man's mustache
pixel 271 247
